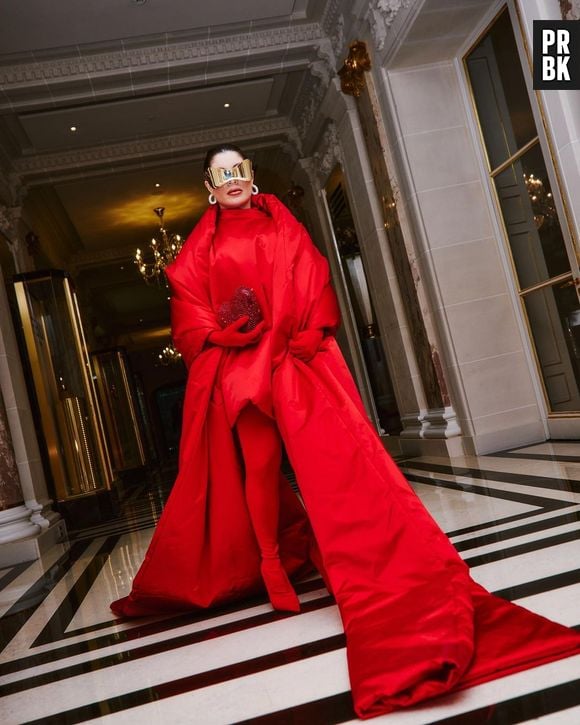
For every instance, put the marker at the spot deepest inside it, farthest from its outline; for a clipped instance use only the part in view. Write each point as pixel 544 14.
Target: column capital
pixel 330 152
pixel 9 217
pixel 352 73
pixel 22 248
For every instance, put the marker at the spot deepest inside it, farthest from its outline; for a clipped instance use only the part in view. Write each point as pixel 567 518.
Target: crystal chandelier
pixel 542 201
pixel 169 355
pixel 164 252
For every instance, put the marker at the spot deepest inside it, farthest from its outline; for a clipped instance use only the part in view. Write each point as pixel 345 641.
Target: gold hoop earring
pixel 255 189
pixel 211 198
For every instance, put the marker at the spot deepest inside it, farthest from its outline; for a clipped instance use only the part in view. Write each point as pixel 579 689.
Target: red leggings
pixel 262 453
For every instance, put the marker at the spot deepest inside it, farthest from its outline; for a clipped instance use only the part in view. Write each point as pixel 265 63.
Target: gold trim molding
pixel 352 79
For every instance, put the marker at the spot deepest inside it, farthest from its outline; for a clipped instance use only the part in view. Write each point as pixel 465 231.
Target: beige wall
pixel 460 250
pixel 453 232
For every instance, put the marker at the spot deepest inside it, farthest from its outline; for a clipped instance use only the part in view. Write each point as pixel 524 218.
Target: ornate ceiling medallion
pixel 352 79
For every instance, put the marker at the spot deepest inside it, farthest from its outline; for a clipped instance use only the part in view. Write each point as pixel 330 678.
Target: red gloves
pixel 305 344
pixel 231 337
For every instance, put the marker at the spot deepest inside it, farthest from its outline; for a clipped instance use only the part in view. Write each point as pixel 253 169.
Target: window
pixel 543 270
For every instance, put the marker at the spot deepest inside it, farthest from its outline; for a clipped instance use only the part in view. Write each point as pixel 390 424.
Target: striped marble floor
pixel 513 516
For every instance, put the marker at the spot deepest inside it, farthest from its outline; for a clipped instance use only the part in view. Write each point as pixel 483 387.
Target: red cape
pixel 416 624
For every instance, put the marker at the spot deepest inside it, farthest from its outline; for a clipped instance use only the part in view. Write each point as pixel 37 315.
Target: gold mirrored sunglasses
pixel 217 176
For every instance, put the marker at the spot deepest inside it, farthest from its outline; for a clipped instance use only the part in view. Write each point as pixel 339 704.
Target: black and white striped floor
pixel 513 516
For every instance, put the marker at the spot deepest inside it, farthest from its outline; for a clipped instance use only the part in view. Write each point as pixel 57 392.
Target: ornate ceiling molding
pixel 308 103
pixel 7 221
pixel 165 55
pixel 80 162
pixel 329 153
pixel 325 67
pixel 337 36
pixel 319 69
pixel 12 191
pixel 314 87
pixel 326 52
pixel 381 15
pixel 10 217
pixel 332 23
pixel 570 9
pixel 98 257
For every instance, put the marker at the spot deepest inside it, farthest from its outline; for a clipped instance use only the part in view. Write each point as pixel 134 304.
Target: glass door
pixel 544 263
pixel 62 383
pixel 385 410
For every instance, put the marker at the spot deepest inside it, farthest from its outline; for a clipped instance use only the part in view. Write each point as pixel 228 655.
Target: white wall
pixel 458 249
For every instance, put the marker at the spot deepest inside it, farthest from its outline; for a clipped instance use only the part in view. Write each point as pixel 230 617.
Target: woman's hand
pixel 231 336
pixel 305 344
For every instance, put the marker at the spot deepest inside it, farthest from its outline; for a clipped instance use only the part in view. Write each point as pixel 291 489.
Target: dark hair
pixel 215 150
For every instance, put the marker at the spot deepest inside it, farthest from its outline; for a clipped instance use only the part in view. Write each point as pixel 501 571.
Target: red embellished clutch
pixel 243 302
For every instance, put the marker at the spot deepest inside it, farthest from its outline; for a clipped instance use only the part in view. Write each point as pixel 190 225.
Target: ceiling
pixel 145 86
pixel 35 25
pixel 148 87
pixel 439 31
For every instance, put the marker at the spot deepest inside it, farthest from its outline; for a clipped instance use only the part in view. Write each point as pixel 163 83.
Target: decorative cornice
pixel 309 100
pixel 330 16
pixel 325 67
pixel 337 37
pixel 570 9
pixel 89 258
pixel 9 218
pixel 329 153
pixel 83 160
pixel 166 55
pixel 319 69
pixel 325 52
pixel 381 15
pixel 312 91
pixel 6 221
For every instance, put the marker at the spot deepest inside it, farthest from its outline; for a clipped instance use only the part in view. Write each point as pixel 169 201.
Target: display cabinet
pixel 63 384
pixel 119 406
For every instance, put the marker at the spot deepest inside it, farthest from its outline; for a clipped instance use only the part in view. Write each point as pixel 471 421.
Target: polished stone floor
pixel 513 516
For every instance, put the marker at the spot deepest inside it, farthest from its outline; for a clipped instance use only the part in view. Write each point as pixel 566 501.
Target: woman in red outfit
pixel 245 375
pixel 416 623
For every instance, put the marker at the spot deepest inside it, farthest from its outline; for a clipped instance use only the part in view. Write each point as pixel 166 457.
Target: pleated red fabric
pixel 416 623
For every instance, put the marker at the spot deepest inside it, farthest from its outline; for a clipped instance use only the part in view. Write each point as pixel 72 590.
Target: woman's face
pixel 235 194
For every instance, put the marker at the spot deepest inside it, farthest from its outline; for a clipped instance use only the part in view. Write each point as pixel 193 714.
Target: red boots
pixel 280 590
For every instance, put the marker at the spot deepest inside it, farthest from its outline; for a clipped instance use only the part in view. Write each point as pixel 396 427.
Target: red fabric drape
pixel 416 624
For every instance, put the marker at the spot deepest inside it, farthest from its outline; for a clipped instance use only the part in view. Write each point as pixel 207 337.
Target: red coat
pixel 416 624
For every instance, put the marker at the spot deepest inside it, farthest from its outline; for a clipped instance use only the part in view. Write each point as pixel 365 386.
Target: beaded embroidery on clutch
pixel 243 302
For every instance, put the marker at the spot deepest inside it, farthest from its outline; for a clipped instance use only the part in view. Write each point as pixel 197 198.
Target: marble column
pixel 15 521
pixel 314 170
pixel 427 413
